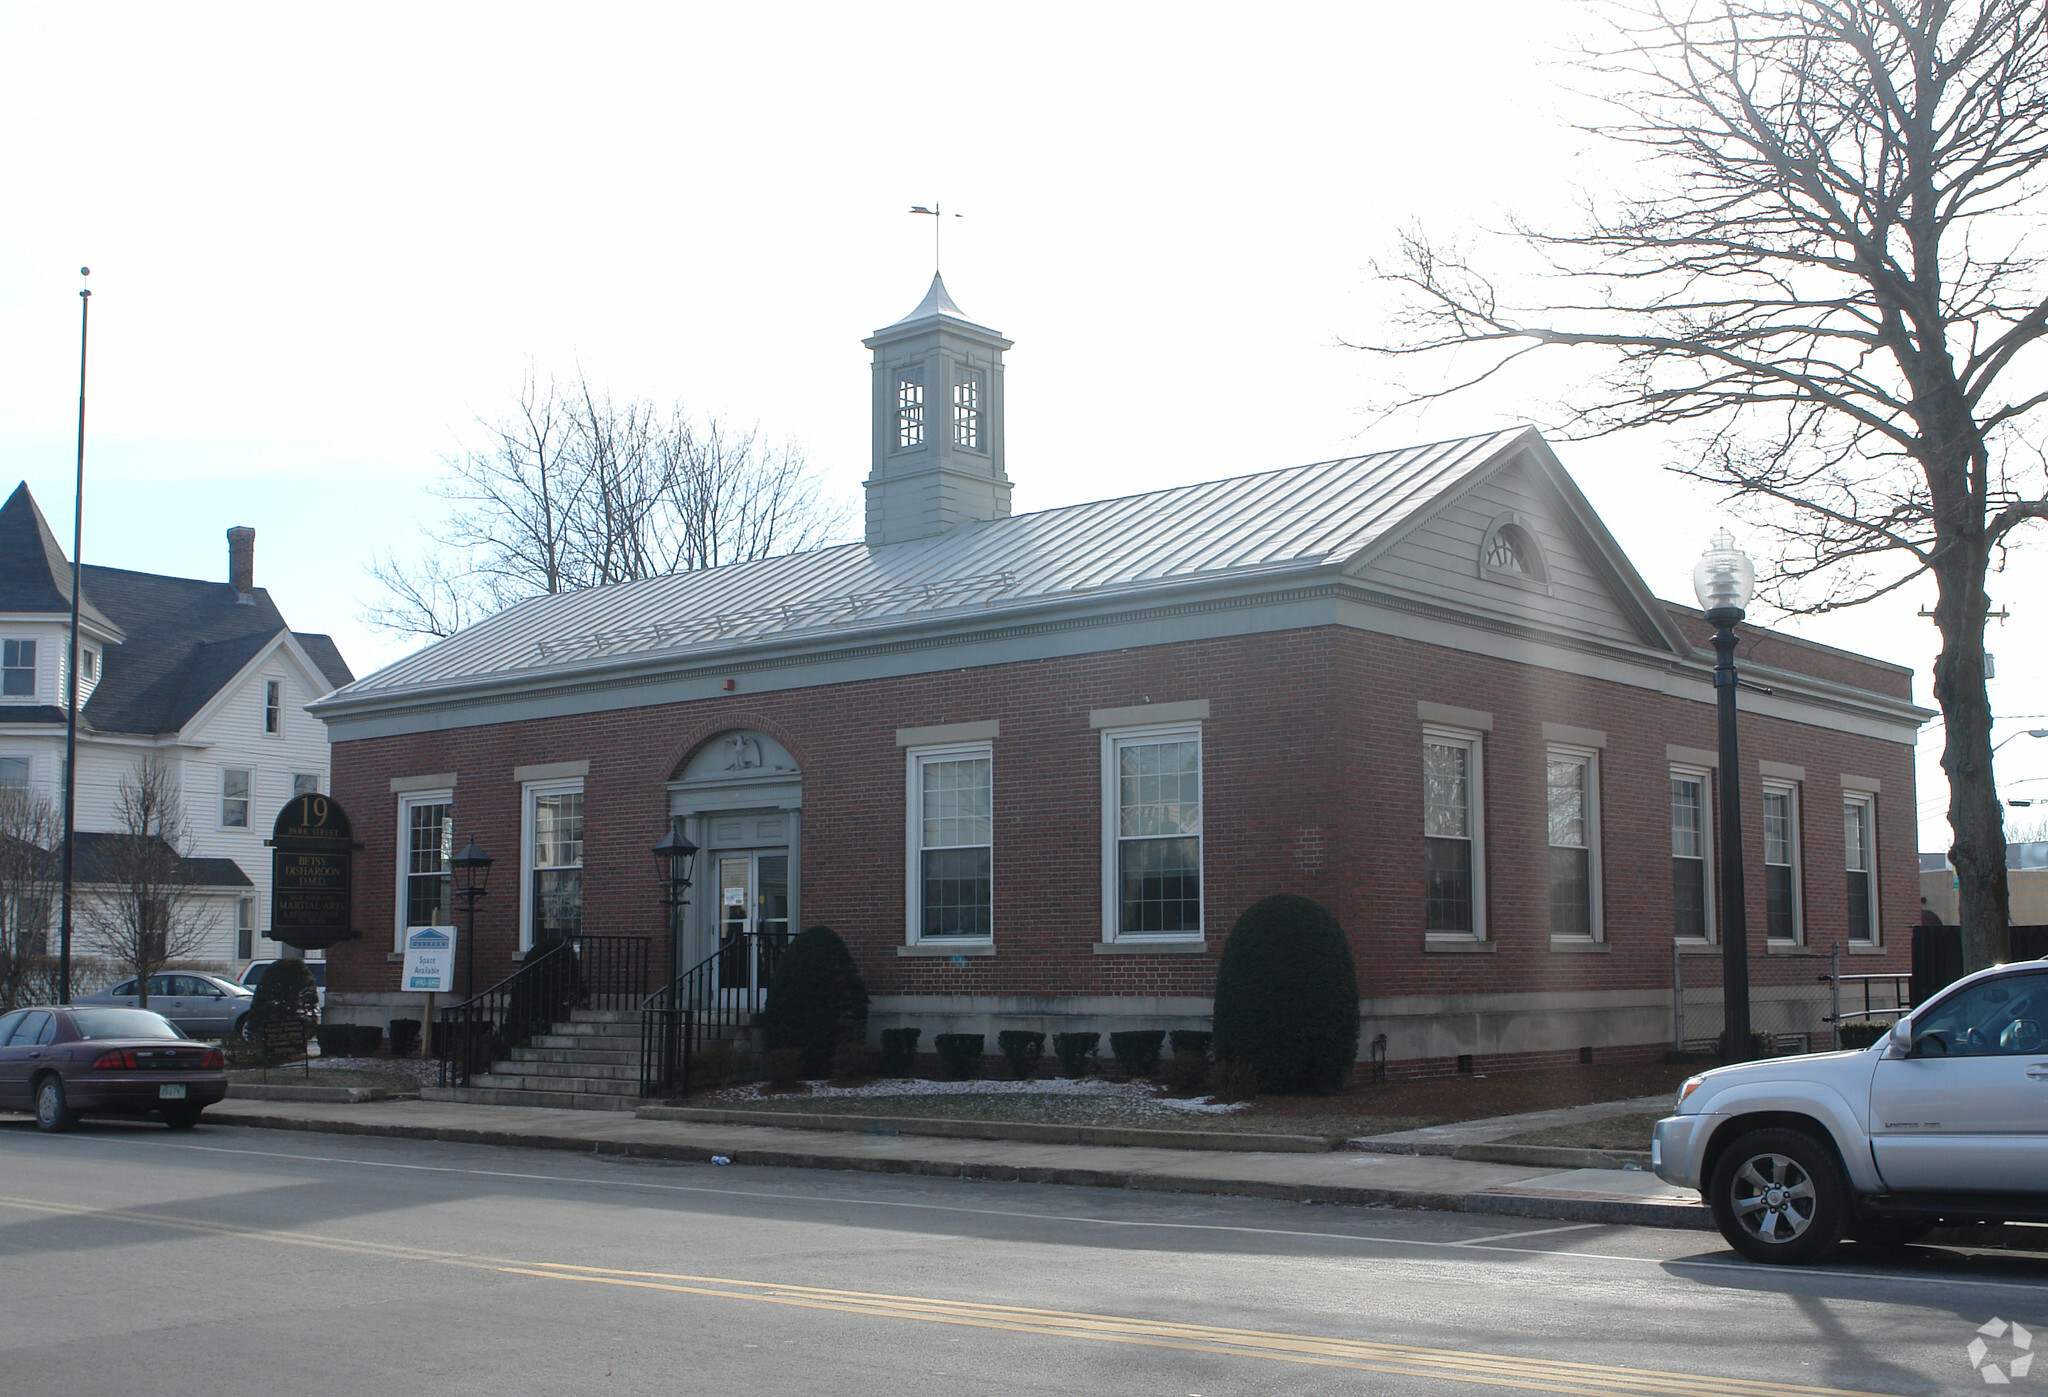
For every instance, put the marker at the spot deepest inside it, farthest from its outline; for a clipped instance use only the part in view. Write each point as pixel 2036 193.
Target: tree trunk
pixel 1975 820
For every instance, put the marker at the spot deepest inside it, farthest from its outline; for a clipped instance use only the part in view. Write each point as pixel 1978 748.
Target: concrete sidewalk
pixel 1355 1177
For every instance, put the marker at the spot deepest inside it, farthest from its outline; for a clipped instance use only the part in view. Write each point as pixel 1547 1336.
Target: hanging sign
pixel 311 874
pixel 429 960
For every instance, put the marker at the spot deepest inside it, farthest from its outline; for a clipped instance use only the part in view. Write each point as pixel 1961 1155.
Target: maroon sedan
pixel 64 1063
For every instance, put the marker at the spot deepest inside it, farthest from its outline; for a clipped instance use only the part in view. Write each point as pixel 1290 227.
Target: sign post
pixel 430 970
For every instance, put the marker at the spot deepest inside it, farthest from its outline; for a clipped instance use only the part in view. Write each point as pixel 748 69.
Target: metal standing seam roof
pixel 1277 520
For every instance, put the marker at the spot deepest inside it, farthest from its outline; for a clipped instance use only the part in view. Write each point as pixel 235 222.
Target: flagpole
pixel 71 686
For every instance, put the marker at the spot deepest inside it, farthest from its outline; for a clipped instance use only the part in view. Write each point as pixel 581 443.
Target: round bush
pixel 1287 996
pixel 816 1000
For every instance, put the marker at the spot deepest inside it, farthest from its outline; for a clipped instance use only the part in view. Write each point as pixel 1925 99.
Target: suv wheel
pixel 1779 1197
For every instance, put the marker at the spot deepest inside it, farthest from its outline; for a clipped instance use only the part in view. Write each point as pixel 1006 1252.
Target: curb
pixel 1533 1204
pixel 1535 1156
pixel 1033 1132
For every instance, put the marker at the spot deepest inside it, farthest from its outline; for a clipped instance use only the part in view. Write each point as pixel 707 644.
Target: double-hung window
pixel 967 411
pixel 14 773
pixel 273 707
pixel 234 797
pixel 1152 827
pixel 952 836
pixel 553 908
pixel 1453 838
pixel 1573 782
pixel 305 783
pixel 245 928
pixel 1859 826
pixel 1692 856
pixel 1781 860
pixel 18 668
pixel 426 832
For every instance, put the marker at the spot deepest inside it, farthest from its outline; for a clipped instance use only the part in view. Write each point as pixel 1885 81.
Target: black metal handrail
pixel 713 1001
pixel 583 972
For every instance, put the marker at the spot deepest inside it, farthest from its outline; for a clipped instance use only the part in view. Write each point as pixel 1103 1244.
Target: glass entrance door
pixel 753 921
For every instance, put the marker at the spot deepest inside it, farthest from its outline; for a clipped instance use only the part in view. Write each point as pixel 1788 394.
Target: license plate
pixel 171 1091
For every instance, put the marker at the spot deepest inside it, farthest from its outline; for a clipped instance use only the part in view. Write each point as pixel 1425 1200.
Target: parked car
pixel 63 1063
pixel 253 972
pixel 1943 1120
pixel 204 1006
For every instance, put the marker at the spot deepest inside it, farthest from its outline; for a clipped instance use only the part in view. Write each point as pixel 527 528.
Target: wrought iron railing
pixel 714 1001
pixel 584 972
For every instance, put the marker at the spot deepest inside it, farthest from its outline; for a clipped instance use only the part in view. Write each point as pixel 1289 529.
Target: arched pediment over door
pixel 740 798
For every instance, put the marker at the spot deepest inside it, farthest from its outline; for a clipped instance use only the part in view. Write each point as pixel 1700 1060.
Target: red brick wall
pixel 1312 784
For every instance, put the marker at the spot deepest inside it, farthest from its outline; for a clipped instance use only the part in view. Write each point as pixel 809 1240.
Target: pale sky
pixel 324 241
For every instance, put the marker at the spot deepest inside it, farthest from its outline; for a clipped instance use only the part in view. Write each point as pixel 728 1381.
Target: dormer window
pixel 18 668
pixel 909 411
pixel 967 412
pixel 1509 553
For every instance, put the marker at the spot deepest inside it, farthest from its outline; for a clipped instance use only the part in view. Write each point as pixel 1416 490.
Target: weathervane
pixel 938 218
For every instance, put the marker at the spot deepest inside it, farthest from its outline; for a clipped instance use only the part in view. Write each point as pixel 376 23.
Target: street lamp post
pixel 1723 579
pixel 472 878
pixel 672 865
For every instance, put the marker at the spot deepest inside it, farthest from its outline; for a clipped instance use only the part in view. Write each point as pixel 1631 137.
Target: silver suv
pixel 1943 1120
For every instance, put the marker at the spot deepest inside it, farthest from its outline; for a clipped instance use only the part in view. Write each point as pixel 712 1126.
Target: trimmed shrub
pixel 853 1062
pixel 1137 1051
pixel 1287 996
pixel 1191 1042
pixel 816 1000
pixel 1076 1052
pixel 405 1036
pixel 960 1054
pixel 785 1067
pixel 286 991
pixel 336 1039
pixel 1861 1035
pixel 1761 1045
pixel 369 1038
pixel 1185 1073
pixel 1233 1081
pixel 899 1051
pixel 1022 1049
pixel 719 1065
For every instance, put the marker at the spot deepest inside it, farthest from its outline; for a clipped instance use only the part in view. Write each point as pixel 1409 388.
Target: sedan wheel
pixel 51 1111
pixel 1778 1196
pixel 182 1117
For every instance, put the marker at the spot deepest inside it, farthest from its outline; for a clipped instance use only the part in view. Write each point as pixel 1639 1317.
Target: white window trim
pixel 406 802
pixel 1869 804
pixel 1475 743
pixel 528 793
pixel 1590 757
pixel 280 708
pixel 1798 937
pixel 248 798
pixel 1112 901
pixel 915 760
pixel 246 904
pixel 34 667
pixel 1710 871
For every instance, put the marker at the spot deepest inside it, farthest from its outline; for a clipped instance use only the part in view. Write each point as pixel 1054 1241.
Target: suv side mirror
pixel 1900 1041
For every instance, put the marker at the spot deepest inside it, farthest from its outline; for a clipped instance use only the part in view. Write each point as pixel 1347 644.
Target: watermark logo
pixel 2017 1365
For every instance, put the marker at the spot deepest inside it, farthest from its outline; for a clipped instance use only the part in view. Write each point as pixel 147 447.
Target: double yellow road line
pixel 1402 1360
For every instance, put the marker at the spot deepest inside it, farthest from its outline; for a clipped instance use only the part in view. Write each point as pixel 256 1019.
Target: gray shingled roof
pixel 183 639
pixel 98 862
pixel 1277 521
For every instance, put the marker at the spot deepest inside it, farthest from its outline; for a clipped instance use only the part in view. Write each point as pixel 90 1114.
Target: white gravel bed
pixel 426 1071
pixel 1136 1096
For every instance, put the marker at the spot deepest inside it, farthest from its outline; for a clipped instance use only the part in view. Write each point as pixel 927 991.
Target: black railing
pixel 714 1001
pixel 584 972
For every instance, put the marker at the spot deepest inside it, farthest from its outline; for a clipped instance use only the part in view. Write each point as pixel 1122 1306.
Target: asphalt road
pixel 230 1261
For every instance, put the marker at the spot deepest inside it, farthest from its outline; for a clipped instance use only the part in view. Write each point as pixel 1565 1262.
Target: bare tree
pixel 1832 277
pixel 29 879
pixel 575 490
pixel 142 908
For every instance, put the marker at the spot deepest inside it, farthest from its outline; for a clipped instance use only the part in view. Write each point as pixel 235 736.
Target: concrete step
pixel 611 1042
pixel 611 1055
pixel 559 1100
pixel 579 1086
pixel 606 1016
pixel 607 1071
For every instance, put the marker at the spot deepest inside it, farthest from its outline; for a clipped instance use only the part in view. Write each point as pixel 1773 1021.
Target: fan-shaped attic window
pixel 1509 553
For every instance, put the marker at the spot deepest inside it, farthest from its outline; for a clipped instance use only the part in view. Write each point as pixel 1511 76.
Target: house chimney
pixel 242 559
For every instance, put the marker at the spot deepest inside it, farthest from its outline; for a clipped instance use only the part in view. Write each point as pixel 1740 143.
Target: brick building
pixel 1031 768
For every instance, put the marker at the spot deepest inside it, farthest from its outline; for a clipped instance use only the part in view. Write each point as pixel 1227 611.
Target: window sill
pixel 1580 944
pixel 1788 948
pixel 1865 948
pixel 1698 948
pixel 939 948
pixel 1135 947
pixel 1458 945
